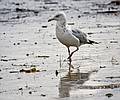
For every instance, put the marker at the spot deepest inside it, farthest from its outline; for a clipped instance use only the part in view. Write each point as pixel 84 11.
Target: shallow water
pixel 28 41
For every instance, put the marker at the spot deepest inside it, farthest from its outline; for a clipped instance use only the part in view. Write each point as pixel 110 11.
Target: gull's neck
pixel 61 23
pixel 61 26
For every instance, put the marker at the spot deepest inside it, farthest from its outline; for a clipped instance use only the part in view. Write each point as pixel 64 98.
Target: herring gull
pixel 73 37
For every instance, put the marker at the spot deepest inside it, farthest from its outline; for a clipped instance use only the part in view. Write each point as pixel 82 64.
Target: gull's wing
pixel 80 35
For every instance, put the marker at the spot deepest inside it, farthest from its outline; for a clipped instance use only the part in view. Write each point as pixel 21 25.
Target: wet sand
pixel 33 64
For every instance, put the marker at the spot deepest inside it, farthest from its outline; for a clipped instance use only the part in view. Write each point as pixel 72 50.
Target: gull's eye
pixel 57 15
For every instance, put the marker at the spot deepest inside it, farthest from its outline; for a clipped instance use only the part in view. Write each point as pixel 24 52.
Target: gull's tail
pixel 92 42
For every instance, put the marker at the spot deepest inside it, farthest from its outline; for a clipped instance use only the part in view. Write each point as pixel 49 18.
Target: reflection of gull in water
pixel 69 37
pixel 71 80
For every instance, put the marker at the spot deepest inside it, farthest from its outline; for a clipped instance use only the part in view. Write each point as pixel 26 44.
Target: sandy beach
pixel 33 63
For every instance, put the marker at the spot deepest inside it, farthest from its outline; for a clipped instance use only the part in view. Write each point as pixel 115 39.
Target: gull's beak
pixel 51 19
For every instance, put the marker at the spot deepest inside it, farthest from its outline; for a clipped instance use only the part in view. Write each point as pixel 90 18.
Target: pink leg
pixel 73 53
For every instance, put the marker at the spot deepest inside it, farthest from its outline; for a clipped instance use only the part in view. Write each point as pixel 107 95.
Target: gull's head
pixel 58 17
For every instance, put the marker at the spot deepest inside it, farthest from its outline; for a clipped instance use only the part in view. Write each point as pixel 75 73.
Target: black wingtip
pixel 92 42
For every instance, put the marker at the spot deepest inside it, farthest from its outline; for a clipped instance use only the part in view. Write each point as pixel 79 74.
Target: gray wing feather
pixel 80 35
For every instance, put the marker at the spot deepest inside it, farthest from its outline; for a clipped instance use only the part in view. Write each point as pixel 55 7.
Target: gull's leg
pixel 69 55
pixel 68 51
pixel 73 53
pixel 69 60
